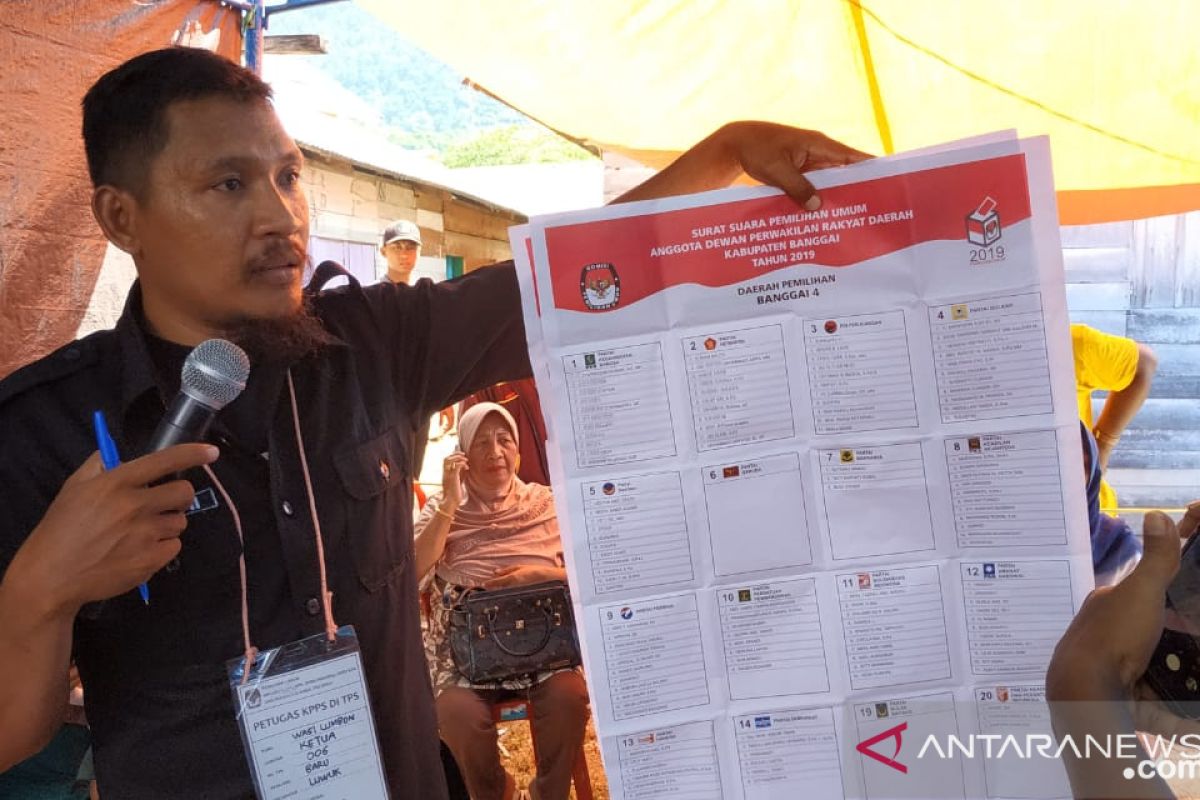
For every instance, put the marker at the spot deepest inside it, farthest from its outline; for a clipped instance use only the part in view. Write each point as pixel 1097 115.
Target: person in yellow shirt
pixel 1122 367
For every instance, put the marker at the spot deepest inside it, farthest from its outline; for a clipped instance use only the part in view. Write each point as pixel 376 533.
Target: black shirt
pixel 421 432
pixel 154 676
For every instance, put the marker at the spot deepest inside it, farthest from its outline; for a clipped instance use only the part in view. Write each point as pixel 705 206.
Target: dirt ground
pixel 517 756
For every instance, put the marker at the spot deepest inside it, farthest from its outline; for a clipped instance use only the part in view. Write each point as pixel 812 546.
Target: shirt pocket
pixel 205 574
pixel 374 477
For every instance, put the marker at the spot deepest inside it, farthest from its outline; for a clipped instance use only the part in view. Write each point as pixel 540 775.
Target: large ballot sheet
pixel 819 475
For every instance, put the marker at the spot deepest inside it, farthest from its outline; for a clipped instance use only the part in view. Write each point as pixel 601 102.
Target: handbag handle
pixel 491 617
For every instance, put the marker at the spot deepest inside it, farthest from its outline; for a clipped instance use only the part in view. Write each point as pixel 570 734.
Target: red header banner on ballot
pixel 734 242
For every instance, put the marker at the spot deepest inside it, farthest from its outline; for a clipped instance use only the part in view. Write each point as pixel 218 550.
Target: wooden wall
pixel 1142 280
pixel 350 203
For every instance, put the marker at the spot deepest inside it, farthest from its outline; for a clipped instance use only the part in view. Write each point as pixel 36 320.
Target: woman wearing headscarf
pixel 489 529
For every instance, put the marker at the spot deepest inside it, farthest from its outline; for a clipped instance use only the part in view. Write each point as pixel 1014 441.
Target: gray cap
pixel 401 230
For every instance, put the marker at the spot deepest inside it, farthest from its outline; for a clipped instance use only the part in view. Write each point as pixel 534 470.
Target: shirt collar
pixel 138 376
pixel 137 370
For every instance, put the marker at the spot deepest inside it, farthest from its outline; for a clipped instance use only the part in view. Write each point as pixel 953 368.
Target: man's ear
pixel 116 212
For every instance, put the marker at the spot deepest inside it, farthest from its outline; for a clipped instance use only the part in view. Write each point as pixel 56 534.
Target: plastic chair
pixel 516 710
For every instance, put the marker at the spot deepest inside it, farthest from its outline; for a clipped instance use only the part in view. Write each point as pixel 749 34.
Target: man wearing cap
pixel 401 246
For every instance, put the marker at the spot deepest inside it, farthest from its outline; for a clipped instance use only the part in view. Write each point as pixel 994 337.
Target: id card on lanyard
pixel 306 723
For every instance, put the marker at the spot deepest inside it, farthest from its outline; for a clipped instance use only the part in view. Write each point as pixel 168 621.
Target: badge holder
pixel 303 709
pixel 305 720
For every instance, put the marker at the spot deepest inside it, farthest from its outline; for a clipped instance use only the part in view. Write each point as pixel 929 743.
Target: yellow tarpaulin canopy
pixel 1116 84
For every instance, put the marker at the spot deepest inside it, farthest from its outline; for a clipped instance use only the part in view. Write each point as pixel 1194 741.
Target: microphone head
pixel 215 373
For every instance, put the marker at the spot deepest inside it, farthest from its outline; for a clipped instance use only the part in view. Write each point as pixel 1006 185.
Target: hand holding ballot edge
pixel 1094 683
pixel 776 155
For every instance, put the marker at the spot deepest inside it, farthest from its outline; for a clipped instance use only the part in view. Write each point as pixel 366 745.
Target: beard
pixel 284 339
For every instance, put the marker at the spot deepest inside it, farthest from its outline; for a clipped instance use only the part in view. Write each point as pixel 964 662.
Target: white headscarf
pixel 469 422
pixel 483 537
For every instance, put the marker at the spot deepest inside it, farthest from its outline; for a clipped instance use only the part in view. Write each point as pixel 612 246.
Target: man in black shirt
pixel 197 180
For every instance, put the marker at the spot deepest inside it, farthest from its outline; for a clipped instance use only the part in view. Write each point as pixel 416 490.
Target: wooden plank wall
pixel 1142 279
pixel 352 204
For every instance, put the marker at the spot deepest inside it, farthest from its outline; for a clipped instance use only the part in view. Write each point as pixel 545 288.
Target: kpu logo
pixel 866 747
pixel 600 286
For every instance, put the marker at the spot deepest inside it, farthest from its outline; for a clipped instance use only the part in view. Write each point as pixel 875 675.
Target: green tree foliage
pixel 512 144
pixel 422 100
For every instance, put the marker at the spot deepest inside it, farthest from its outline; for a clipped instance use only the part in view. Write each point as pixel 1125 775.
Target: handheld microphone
pixel 214 374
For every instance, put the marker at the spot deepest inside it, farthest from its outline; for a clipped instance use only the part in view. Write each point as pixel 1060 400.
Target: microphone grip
pixel 186 420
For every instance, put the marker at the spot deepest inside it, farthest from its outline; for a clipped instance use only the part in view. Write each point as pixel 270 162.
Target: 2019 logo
pixel 983 233
pixel 983 224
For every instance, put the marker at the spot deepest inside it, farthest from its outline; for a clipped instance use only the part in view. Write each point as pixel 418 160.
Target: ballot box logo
pixel 983 224
pixel 878 747
pixel 252 697
pixel 864 580
pixel 744 596
pixel 609 489
pixel 831 326
pixel 600 286
pixel 626 613
pixel 989 570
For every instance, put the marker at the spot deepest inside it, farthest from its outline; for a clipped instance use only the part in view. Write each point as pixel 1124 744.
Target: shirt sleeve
pixel 1102 361
pixel 452 338
pixel 431 506
pixel 426 516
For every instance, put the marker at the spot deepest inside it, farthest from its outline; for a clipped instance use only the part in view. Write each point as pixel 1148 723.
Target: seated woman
pixel 490 529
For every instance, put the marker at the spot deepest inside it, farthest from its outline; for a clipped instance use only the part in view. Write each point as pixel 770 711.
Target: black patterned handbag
pixel 496 634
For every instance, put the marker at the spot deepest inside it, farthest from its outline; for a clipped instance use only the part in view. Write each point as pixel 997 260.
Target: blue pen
pixel 111 460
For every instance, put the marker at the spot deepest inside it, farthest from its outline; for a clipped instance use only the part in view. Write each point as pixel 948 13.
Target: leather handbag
pixel 497 634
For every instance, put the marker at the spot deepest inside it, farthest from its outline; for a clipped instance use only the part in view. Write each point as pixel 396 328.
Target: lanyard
pixel 250 651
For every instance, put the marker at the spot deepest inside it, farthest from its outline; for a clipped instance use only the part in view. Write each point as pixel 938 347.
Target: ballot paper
pixel 818 473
